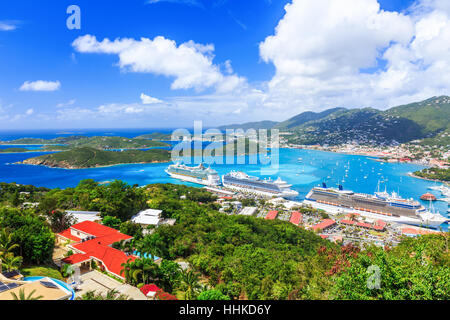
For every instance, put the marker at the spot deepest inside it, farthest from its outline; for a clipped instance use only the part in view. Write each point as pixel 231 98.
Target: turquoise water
pixel 360 173
pixel 63 284
pixel 146 255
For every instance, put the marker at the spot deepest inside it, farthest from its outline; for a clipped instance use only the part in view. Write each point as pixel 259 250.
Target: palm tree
pixel 127 270
pixel 190 284
pixel 22 295
pixel 6 243
pixel 140 269
pixel 11 263
pixel 148 247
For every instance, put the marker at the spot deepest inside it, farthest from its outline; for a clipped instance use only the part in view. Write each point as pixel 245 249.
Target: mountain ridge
pixel 425 119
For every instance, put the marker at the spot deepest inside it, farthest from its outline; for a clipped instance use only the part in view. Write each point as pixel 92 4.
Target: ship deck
pixel 349 202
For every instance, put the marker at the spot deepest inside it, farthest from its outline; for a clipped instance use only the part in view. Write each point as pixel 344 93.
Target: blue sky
pixel 38 46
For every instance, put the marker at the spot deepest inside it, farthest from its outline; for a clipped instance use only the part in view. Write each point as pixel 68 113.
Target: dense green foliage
pixel 229 256
pixel 101 143
pixel 105 143
pixel 434 174
pixel 418 269
pixel 31 232
pixel 14 195
pixel 306 117
pixel 90 158
pixel 14 150
pixel 116 199
pixel 240 256
pixel 250 125
pixel 212 295
pixel 365 126
pixel 156 136
pixel 432 115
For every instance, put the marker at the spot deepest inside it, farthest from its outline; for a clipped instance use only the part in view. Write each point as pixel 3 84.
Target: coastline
pixel 81 168
pixel 411 174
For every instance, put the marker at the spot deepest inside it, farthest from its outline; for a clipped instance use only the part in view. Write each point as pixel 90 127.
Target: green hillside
pixel 102 143
pixel 428 121
pixel 90 158
pixel 250 125
pixel 364 126
pixel 432 115
pixel 14 150
pixel 157 136
pixel 306 117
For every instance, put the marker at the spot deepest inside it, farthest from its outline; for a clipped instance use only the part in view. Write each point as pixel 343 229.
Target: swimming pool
pixel 62 284
pixel 146 255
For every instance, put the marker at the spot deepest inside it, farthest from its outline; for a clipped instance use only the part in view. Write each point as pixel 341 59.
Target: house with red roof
pixel 272 215
pixel 92 241
pixel 296 218
pixel 323 225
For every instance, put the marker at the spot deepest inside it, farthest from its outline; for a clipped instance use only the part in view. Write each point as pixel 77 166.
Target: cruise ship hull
pixel 333 209
pixel 288 194
pixel 192 179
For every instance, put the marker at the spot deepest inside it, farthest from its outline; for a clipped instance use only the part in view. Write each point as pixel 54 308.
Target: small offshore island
pixel 96 152
pixel 83 158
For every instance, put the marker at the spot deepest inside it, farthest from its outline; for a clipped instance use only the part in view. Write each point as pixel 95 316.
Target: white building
pixel 149 217
pixel 82 216
pixel 248 211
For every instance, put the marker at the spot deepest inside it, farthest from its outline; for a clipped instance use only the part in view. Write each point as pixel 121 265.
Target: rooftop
pixel 99 247
pixel 324 224
pixel 296 217
pixel 58 293
pixel 272 215
pixel 148 217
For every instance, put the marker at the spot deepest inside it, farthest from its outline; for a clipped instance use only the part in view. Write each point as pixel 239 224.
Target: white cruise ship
pixel 200 174
pixel 381 205
pixel 242 182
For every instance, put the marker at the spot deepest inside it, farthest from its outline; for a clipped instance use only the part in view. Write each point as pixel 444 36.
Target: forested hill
pixel 101 143
pixel 250 125
pixel 426 119
pixel 85 157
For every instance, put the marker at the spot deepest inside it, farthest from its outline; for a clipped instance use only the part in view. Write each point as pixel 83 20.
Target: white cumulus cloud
pixel 351 53
pixel 40 85
pixel 149 100
pixel 189 63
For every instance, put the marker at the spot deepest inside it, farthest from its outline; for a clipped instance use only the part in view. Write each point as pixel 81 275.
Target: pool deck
pixel 101 283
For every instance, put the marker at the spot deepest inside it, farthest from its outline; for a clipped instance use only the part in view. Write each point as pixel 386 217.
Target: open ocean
pixel 361 174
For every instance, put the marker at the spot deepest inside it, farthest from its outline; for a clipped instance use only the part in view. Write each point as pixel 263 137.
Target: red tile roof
pixel 296 218
pixel 272 215
pixel 381 223
pixel 94 229
pixel 77 258
pixel 413 231
pixel 324 224
pixel 68 235
pixel 99 247
pixel 111 258
pixel 364 225
pixel 348 221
